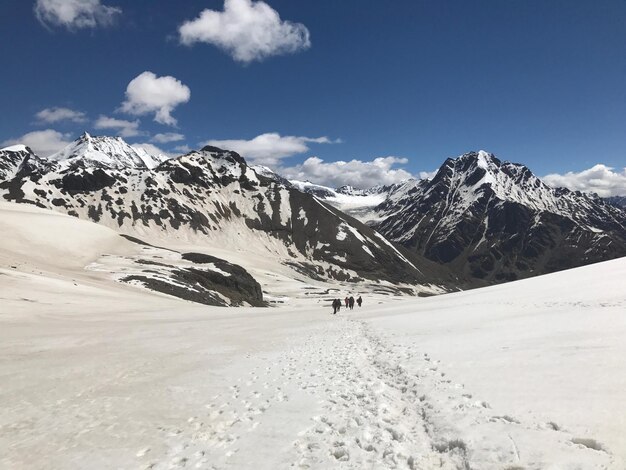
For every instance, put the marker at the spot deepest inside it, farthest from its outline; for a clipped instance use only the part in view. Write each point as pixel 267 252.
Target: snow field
pixel 527 375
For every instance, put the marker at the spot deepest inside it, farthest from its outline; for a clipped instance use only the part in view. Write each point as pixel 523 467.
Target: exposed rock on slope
pixel 42 247
pixel 195 277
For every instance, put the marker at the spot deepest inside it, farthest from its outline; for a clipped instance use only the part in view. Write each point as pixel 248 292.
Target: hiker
pixel 359 301
pixel 351 302
pixel 347 302
pixel 336 306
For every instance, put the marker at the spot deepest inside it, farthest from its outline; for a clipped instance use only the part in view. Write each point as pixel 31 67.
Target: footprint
pixel 143 452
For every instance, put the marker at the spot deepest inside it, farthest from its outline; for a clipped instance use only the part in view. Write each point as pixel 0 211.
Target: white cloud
pixel 148 93
pixel 43 143
pixel 52 115
pixel 268 149
pixel 122 127
pixel 599 179
pixel 357 173
pixel 167 137
pixel 247 30
pixel 75 14
pixel 427 175
pixel 182 149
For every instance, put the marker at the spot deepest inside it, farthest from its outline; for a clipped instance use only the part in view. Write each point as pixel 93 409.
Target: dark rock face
pixel 238 285
pixel 197 195
pixel 616 201
pixel 205 286
pixel 495 221
pixel 87 181
pixel 195 277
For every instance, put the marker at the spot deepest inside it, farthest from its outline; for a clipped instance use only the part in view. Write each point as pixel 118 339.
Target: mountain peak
pixel 212 149
pixel 475 175
pixel 225 154
pixel 17 148
pixel 480 159
pixel 111 152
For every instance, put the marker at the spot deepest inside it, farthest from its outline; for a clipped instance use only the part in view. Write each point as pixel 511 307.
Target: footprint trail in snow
pixel 347 397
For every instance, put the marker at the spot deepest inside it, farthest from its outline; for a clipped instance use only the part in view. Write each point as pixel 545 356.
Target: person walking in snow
pixel 347 300
pixel 351 302
pixel 359 301
pixel 336 306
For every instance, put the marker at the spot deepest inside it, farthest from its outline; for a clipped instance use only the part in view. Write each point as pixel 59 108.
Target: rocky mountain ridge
pixel 207 196
pixel 497 221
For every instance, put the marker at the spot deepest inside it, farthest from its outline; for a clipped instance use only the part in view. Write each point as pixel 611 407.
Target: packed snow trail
pixel 345 397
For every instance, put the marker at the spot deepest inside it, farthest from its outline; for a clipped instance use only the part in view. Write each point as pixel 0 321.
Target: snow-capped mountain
pixel 210 195
pixel 617 201
pixel 490 220
pixel 11 158
pixel 110 152
pixel 497 221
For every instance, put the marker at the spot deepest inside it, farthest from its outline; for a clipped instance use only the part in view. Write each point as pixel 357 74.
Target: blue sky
pixel 534 81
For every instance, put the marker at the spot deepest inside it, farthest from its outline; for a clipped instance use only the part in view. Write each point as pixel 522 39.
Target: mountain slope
pixel 55 248
pixel 617 201
pixel 209 196
pixel 496 221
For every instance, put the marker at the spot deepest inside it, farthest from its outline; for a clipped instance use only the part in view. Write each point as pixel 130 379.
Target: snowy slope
pixel 543 353
pixel 37 240
pixel 522 375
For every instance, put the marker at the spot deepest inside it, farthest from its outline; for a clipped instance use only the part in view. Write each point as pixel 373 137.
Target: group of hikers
pixel 349 303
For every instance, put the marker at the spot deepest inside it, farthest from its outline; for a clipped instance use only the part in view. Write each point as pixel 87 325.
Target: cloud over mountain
pixel 599 179
pixel 52 115
pixel 75 14
pixel 247 30
pixel 357 173
pixel 43 143
pixel 122 127
pixel 148 93
pixel 269 148
pixel 168 137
